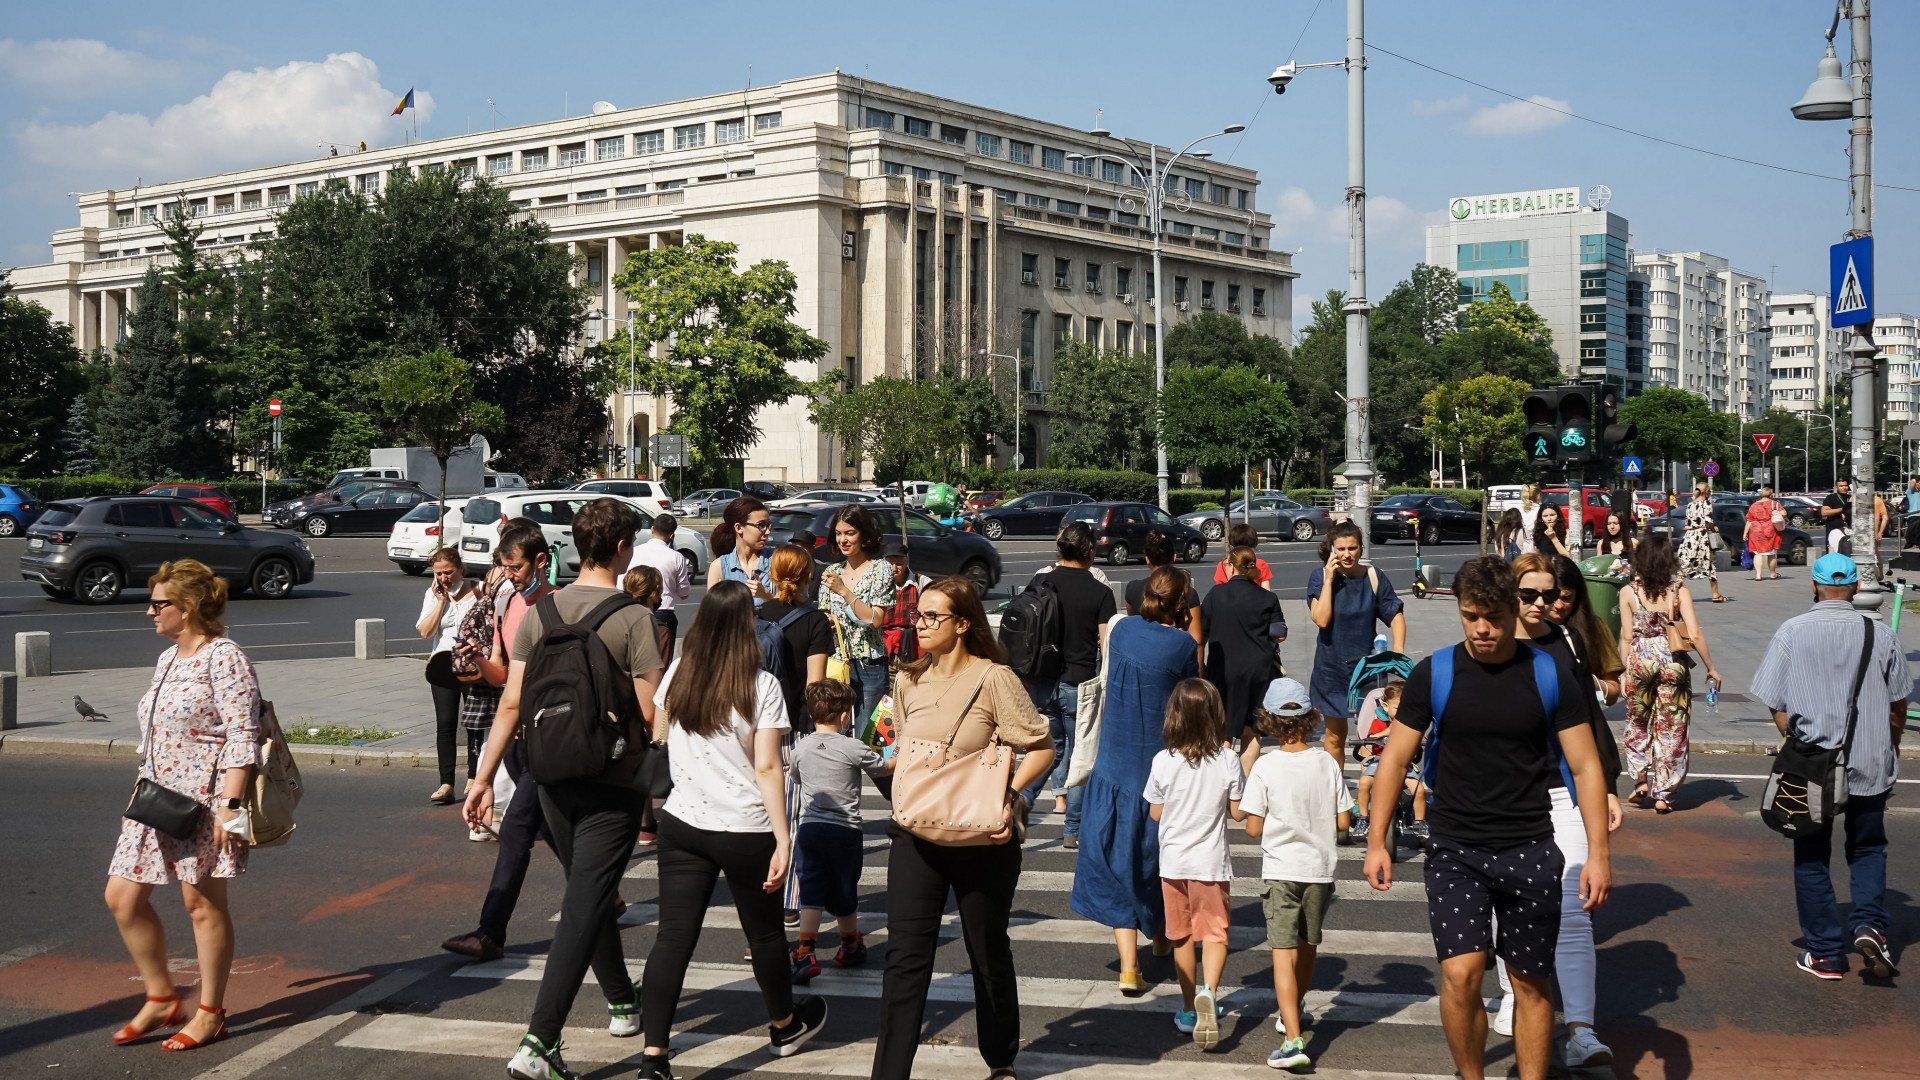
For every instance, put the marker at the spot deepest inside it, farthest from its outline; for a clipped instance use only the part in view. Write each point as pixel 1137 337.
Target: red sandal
pixel 128 1033
pixel 187 1042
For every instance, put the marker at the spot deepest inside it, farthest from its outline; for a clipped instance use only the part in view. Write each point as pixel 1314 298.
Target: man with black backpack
pixel 581 678
pixel 1053 633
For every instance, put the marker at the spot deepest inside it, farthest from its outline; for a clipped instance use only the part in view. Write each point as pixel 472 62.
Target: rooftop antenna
pixel 493 116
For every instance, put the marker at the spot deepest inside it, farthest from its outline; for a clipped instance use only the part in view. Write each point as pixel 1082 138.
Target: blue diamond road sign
pixel 1851 282
pixel 1630 465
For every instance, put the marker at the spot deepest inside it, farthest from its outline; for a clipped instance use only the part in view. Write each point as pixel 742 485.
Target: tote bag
pixel 948 800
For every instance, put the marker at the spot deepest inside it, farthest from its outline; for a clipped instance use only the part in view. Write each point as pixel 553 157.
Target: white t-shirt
pixel 1193 802
pixel 450 617
pixel 1300 794
pixel 713 781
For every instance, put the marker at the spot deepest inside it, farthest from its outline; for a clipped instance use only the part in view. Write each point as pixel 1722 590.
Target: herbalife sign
pixel 1514 204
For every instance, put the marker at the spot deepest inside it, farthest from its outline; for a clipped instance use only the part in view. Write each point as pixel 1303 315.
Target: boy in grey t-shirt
pixel 827 764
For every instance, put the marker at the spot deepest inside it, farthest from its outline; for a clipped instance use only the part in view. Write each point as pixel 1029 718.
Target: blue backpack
pixel 1546 679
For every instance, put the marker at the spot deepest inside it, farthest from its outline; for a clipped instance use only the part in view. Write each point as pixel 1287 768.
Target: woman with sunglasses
pixel 738 543
pixel 1554 618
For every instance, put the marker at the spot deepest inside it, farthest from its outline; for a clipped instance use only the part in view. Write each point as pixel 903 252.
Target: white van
pixel 502 481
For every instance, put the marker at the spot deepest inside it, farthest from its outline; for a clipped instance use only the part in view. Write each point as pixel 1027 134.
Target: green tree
pixel 317 437
pixel 1502 310
pixel 139 426
pixel 982 414
pixel 1480 417
pixel 201 290
pixel 77 449
pixel 1318 379
pixel 1226 416
pixel 430 398
pixel 1497 350
pixel 558 421
pixel 1221 340
pixel 1426 305
pixel 1102 409
pixel 730 337
pixel 1674 425
pixel 895 423
pixel 39 380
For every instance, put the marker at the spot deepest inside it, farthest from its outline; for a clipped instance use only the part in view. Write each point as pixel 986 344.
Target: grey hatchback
pixel 93 549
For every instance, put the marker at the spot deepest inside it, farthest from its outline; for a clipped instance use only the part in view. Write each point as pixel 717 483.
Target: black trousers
pixel 919 877
pixel 520 825
pixel 691 862
pixel 446 721
pixel 593 826
pixel 669 622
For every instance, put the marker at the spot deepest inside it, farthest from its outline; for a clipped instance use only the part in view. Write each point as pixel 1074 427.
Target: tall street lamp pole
pixel 1152 177
pixel 1018 392
pixel 1832 97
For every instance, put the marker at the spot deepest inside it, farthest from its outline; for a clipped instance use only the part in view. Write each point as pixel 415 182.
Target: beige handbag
pixel 953 801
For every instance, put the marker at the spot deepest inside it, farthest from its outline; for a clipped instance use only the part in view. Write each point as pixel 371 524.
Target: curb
pixel 25 744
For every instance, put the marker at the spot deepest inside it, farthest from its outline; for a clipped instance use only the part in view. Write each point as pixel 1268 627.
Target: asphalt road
pixel 354 580
pixel 341 927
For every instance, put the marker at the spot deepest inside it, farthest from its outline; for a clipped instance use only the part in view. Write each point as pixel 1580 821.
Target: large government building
pixel 924 232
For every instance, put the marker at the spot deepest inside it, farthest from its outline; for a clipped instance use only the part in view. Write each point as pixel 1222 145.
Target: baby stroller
pixel 1372 672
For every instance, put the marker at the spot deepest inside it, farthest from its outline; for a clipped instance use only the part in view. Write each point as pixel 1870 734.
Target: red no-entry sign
pixel 274 407
pixel 1763 440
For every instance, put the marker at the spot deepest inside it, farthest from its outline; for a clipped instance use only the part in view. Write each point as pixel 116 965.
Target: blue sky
pixel 97 95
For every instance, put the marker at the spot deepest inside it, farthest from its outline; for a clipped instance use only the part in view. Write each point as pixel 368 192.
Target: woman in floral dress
pixel 199 726
pixel 858 593
pixel 1696 543
pixel 1659 684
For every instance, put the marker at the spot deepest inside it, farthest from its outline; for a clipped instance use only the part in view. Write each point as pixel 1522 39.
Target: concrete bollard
pixel 9 701
pixel 370 639
pixel 33 654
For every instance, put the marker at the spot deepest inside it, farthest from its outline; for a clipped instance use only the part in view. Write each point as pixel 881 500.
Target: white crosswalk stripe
pixel 1061 881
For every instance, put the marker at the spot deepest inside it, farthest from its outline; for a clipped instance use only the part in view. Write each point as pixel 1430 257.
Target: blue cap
pixel 1286 697
pixel 1834 568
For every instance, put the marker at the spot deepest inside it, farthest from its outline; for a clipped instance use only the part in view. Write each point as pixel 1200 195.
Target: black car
pixel 1730 517
pixel 1441 517
pixel 932 548
pixel 1037 513
pixel 286 515
pixel 767 490
pixel 1120 530
pixel 372 511
pixel 93 549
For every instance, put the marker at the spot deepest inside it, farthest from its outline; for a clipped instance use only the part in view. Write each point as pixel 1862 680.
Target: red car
pixel 1596 504
pixel 1648 505
pixel 207 495
pixel 980 500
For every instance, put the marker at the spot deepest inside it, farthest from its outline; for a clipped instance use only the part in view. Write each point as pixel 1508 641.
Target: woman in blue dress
pixel 1345 601
pixel 1116 881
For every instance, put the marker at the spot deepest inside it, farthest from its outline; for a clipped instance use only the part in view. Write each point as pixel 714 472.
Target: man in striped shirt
pixel 1801 679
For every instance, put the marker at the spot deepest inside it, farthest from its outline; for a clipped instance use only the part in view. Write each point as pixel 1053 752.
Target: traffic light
pixel 1614 435
pixel 619 457
pixel 1559 425
pixel 1576 423
pixel 1540 442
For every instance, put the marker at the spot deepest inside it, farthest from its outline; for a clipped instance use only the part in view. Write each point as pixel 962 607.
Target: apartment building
pixel 1705 331
pixel 1806 352
pixel 925 232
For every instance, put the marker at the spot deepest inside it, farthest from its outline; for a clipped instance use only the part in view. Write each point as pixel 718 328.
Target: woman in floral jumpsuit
pixel 1659 684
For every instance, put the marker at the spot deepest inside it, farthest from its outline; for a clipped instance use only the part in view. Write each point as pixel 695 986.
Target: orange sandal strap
pixel 163 1000
pixel 211 1009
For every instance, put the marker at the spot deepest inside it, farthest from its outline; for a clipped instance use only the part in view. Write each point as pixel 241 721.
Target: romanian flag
pixel 404 104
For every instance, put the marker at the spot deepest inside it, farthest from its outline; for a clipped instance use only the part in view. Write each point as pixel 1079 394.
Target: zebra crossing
pixel 1373 1010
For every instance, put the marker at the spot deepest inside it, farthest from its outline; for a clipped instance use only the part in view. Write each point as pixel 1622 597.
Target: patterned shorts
pixel 1468 886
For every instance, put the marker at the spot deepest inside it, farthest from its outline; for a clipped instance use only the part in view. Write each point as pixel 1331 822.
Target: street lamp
pixel 1833 439
pixel 1018 392
pixel 1359 466
pixel 1152 176
pixel 1832 96
pixel 1806 465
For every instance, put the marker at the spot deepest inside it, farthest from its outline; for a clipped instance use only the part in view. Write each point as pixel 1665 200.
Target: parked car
pixel 502 481
pixel 651 494
pixel 483 516
pixel 1648 505
pixel 1502 496
pixel 1272 515
pixel 767 490
pixel 18 509
pixel 285 515
pixel 424 530
pixel 1595 504
pixel 1730 517
pixel 1440 517
pixel 346 476
pixel 208 495
pixel 1037 513
pixel 93 549
pixel 1803 511
pixel 916 492
pixel 704 503
pixel 976 501
pixel 1120 530
pixel 372 511
pixel 832 496
pixel 933 549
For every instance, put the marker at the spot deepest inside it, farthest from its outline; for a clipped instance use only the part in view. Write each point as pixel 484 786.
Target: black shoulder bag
pixel 1808 784
pixel 154 804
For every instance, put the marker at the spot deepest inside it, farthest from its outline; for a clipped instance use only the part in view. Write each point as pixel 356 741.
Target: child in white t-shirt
pixel 1295 803
pixel 1193 787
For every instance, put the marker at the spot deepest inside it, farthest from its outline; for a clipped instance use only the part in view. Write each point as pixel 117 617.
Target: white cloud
pixel 248 118
pixel 1520 117
pixel 1443 105
pixel 79 68
pixel 1396 240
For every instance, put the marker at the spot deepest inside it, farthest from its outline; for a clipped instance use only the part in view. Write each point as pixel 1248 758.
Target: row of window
pixel 1073 208
pixel 1494 255
pixel 1093 280
pixel 1092 331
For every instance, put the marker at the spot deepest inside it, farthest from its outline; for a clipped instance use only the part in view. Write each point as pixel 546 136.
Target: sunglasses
pixel 157 606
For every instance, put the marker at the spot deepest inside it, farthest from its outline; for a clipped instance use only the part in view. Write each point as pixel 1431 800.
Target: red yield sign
pixel 1763 441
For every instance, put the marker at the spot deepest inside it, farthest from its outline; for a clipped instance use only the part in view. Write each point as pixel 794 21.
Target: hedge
pixel 1106 485
pixel 245 490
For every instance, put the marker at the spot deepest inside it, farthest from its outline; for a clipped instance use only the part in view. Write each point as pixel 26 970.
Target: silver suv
pixel 93 549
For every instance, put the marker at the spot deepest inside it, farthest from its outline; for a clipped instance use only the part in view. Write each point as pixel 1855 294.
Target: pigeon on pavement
pixel 86 711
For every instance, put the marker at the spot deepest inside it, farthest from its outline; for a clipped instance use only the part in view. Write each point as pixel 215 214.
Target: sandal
pixel 1662 806
pixel 442 795
pixel 1639 797
pixel 174 1018
pixel 187 1042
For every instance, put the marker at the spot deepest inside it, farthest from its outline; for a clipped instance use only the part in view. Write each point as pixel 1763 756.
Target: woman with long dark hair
pixel 858 592
pixel 1550 530
pixel 739 547
pixel 726 722
pixel 449 597
pixel 1346 601
pixel 1619 537
pixel 1116 878
pixel 1659 684
pixel 1244 629
pixel 959 692
pixel 1507 534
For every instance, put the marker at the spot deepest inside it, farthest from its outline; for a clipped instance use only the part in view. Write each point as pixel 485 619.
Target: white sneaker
pixel 1503 1018
pixel 479 835
pixel 1583 1049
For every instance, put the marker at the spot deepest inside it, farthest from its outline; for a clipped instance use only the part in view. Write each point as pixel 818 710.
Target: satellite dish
pixel 602 108
pixel 1598 196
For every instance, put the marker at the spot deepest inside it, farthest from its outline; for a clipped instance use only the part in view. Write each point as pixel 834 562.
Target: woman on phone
pixel 739 544
pixel 1346 601
pixel 441 612
pixel 858 592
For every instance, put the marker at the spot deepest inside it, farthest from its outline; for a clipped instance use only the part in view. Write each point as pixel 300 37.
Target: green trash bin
pixel 1603 589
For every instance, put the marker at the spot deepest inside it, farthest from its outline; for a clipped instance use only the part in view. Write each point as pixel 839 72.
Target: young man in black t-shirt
pixel 1492 850
pixel 1086 603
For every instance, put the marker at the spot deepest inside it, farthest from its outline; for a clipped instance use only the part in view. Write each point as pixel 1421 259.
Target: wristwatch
pixel 228 804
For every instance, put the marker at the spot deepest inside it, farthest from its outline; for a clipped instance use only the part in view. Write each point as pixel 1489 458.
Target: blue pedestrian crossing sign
pixel 1851 281
pixel 1630 465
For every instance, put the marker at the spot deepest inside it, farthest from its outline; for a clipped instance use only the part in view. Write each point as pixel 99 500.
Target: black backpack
pixel 1030 631
pixel 773 656
pixel 579 711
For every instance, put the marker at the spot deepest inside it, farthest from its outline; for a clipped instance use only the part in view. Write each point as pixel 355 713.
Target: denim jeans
pixel 1865 821
pixel 1060 704
pixel 869 686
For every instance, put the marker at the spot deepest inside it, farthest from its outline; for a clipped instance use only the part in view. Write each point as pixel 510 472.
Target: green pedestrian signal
pixel 1539 447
